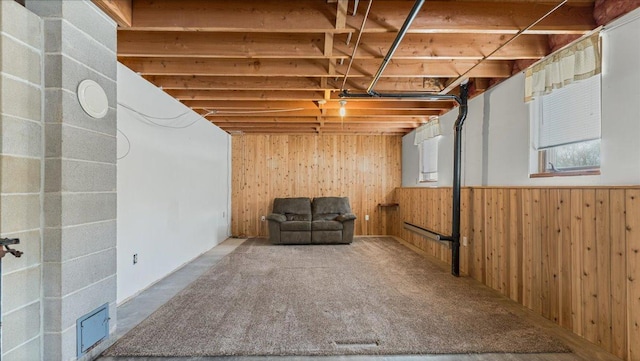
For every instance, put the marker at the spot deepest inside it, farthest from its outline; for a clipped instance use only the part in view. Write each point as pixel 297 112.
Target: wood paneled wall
pixel 366 169
pixel 571 255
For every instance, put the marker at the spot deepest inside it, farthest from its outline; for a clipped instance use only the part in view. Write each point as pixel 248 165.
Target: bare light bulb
pixel 342 110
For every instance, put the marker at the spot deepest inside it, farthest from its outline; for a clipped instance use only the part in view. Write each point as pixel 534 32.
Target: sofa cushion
pixel 295 226
pixel 298 217
pixel 327 237
pixel 325 216
pixel 292 205
pixel 276 217
pixel 326 226
pixel 331 205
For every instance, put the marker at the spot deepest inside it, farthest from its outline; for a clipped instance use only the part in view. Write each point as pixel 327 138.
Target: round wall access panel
pixel 93 99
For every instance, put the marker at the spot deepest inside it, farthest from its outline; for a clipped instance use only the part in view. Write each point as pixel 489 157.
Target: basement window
pixel 566 130
pixel 429 160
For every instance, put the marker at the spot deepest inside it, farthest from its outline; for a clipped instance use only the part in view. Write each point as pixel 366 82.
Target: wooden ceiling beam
pixel 310 16
pixel 119 10
pixel 298 112
pixel 211 103
pixel 227 67
pixel 481 17
pixel 289 124
pixel 343 131
pixel 248 104
pixel 270 130
pixel 220 45
pixel 313 68
pixel 386 16
pixel 400 104
pixel 348 125
pixel 388 120
pixel 310 46
pixel 384 127
pixel 290 83
pixel 430 68
pixel 447 46
pixel 336 119
pixel 395 84
pixel 315 131
pixel 235 82
pixel 404 128
pixel 247 125
pixel 260 66
pixel 255 95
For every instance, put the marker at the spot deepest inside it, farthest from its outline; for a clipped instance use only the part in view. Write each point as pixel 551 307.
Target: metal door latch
pixel 5 242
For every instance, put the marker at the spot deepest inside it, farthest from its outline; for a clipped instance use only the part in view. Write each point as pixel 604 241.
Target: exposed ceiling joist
pixel 314 68
pixel 258 65
pixel 118 10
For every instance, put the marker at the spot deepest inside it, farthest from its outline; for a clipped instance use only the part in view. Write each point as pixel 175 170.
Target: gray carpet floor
pixel 374 296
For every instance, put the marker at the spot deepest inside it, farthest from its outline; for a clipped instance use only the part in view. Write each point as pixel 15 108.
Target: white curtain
pixel 427 131
pixel 429 156
pixel 578 61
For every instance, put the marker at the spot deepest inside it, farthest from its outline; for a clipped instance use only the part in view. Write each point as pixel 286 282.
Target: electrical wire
pixel 355 46
pixel 128 144
pixel 149 118
pixel 462 77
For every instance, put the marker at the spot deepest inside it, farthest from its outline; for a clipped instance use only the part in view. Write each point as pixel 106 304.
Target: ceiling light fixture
pixel 342 110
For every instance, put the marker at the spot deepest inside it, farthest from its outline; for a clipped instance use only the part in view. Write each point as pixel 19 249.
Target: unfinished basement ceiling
pixel 261 66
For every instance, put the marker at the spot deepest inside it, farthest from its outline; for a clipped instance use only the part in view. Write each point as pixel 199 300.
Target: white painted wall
pixel 174 185
pixel 496 134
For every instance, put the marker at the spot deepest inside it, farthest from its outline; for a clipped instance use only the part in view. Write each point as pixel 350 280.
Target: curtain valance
pixel 427 131
pixel 578 61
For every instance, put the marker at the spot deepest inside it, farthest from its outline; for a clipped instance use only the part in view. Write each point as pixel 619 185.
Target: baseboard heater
pixel 440 238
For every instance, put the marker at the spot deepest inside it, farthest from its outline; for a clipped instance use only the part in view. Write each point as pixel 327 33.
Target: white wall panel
pixel 173 184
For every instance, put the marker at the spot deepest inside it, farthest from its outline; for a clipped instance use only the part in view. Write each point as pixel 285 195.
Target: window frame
pixel 540 157
pixel 428 177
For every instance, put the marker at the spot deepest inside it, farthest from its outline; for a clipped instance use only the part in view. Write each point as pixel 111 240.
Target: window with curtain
pixel 429 160
pixel 565 90
pixel 427 141
pixel 577 61
pixel 566 128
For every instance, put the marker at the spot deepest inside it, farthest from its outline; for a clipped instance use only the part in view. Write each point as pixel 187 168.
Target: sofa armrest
pixel 277 217
pixel 346 217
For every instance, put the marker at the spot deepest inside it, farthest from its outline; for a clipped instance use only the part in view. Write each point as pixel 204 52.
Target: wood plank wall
pixel 571 255
pixel 366 169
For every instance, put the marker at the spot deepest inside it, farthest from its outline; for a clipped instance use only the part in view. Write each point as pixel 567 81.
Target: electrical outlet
pixel 366 217
pixel 465 241
pixel 263 218
pixel 224 214
pixel 135 258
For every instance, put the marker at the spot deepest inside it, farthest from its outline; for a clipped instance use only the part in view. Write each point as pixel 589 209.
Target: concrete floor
pixel 144 304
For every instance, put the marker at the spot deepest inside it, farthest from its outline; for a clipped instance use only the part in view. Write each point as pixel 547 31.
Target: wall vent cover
pixel 92 328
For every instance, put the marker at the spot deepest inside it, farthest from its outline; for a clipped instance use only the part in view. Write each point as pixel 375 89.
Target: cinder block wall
pixel 21 161
pixel 79 203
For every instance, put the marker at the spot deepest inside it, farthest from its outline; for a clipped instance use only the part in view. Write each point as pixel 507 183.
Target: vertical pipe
pixel 0 307
pixel 457 175
pixel 457 158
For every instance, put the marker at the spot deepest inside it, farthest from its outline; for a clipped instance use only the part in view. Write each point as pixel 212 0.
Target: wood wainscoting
pixel 569 254
pixel 367 169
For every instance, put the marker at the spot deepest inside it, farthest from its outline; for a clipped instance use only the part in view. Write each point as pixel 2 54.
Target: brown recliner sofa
pixel 326 220
pixel 290 221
